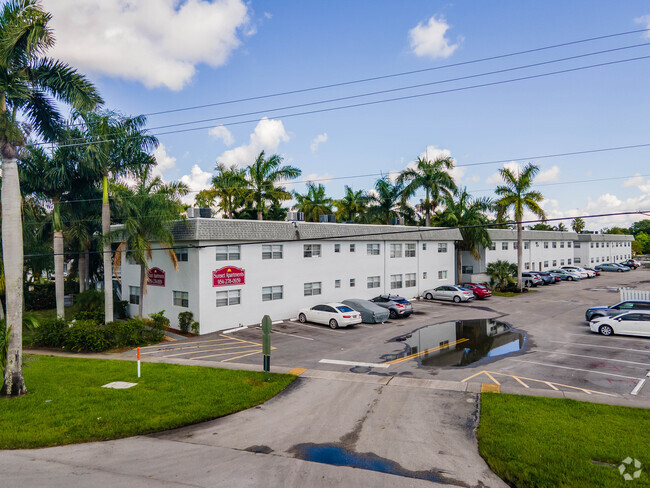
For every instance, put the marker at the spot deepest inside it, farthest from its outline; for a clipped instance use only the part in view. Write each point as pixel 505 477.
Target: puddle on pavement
pixel 461 342
pixel 335 455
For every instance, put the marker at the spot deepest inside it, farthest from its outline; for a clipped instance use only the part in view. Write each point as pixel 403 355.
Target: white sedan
pixel 635 323
pixel 333 314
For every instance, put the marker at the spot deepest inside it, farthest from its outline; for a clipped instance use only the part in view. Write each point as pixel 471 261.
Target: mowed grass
pixel 66 403
pixel 550 442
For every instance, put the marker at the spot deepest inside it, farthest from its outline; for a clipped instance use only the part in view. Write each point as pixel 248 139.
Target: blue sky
pixel 148 56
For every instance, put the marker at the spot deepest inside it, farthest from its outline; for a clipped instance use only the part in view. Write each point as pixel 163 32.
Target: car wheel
pixel 619 270
pixel 302 318
pixel 456 299
pixel 334 324
pixel 428 296
pixel 392 314
pixel 570 278
pixel 606 330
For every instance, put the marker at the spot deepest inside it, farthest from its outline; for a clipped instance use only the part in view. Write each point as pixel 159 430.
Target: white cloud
pixel 268 15
pixel 645 21
pixel 317 141
pixel 267 136
pixel 155 42
pixel 164 162
pixel 315 178
pixel 495 178
pixel 196 181
pixel 638 181
pixel 429 39
pixel 548 175
pixel 221 132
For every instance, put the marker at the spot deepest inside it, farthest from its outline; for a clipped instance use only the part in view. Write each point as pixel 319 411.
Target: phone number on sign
pixel 228 281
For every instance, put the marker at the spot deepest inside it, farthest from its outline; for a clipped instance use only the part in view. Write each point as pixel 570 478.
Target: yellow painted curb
pixel 490 388
pixel 296 371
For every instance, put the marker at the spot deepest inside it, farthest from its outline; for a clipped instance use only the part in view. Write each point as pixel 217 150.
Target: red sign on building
pixel 228 276
pixel 156 277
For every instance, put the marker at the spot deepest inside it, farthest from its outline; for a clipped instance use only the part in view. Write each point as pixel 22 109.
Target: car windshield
pixel 481 286
pixel 344 309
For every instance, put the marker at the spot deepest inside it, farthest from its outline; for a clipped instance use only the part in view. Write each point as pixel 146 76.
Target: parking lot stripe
pixel 241 346
pixel 242 340
pixel 229 354
pixel 519 378
pixel 573 369
pixel 521 382
pixel 242 356
pixel 354 363
pixel 551 385
pixel 321 328
pixel 473 376
pixel 639 385
pixel 599 345
pixel 181 344
pixel 186 347
pixel 592 357
pixel 426 351
pixel 492 378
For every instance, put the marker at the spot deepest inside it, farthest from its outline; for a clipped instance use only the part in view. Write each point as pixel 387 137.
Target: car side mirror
pixel 618 320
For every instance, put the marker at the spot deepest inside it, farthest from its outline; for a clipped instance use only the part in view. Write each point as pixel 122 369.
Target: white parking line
pixel 321 328
pixel 619 338
pixel 573 369
pixel 354 363
pixel 639 385
pixel 290 335
pixel 604 347
pixel 591 357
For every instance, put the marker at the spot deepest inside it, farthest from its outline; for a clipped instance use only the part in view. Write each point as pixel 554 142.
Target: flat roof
pixel 532 235
pixel 604 237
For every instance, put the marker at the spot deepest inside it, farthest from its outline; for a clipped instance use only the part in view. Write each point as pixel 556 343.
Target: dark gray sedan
pixel 371 313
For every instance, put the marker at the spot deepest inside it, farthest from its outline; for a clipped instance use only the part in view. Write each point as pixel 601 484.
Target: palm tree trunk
pixel 108 265
pixel 427 218
pixel 86 265
pixel 520 253
pixel 58 274
pixel 81 271
pixel 12 255
pixel 259 215
pixel 141 292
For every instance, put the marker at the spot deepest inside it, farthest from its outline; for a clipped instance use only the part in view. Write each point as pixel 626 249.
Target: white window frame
pixel 442 247
pixel 271 293
pixel 228 253
pixel 442 274
pixel 373 249
pixel 409 250
pixel 231 297
pixel 272 251
pixel 373 281
pixel 313 288
pixel 181 298
pixel 182 254
pixel 410 280
pixel 395 250
pixel 134 295
pixel 396 282
pixel 311 250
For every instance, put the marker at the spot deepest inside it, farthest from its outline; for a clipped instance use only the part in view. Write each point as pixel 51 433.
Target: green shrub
pixel 128 333
pixel 4 344
pixel 121 309
pixel 185 320
pixel 195 327
pixel 39 296
pixel 95 315
pixel 51 333
pixel 86 335
pixel 90 300
pixel 159 321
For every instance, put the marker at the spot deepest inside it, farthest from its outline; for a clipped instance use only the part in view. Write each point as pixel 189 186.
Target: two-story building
pixel 593 249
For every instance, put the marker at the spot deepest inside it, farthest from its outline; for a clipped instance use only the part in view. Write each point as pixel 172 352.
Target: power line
pixel 348 236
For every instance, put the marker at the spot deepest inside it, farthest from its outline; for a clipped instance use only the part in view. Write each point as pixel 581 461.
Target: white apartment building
pixel 234 272
pixel 593 249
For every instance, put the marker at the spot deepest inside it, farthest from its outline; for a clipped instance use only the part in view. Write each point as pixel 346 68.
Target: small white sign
pixel 119 385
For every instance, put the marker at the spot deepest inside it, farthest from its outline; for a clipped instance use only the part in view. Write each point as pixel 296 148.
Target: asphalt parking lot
pixel 558 351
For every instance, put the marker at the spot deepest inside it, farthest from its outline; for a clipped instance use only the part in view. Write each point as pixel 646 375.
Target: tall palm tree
pixel 29 85
pixel 229 186
pixel 118 145
pixel 467 212
pixel 352 205
pixel 146 212
pixel 516 195
pixel 578 225
pixel 433 177
pixel 385 201
pixel 560 227
pixel 314 203
pixel 263 176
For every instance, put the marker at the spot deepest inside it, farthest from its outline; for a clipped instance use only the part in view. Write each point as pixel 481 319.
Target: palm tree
pixel 560 227
pixel 263 176
pixel 117 145
pixel 516 195
pixel 468 214
pixel 385 201
pixel 433 177
pixel 229 185
pixel 352 205
pixel 29 84
pixel 578 225
pixel 146 214
pixel 501 274
pixel 314 203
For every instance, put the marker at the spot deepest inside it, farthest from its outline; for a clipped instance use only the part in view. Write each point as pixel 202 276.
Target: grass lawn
pixel 66 404
pixel 550 442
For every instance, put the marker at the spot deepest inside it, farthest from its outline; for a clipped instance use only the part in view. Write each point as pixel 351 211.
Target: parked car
pixel 531 279
pixel 626 306
pixel 627 323
pixel 371 313
pixel 565 275
pixel 581 271
pixel 333 314
pixel 596 271
pixel 396 305
pixel 552 278
pixel 448 292
pixel 632 263
pixel 611 267
pixel 480 291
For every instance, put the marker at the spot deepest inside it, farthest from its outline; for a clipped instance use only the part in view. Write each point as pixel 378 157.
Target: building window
pixel 515 245
pixel 546 264
pixel 395 250
pixel 442 247
pixel 424 275
pixel 228 253
pixel 373 249
pixel 554 262
pixel 562 245
pixel 409 280
pixel 181 254
pixel 311 250
pixel 608 244
pixel 561 262
pixel 272 251
pixel 592 260
pixel 554 245
pixel 337 283
pixel 592 244
pixel 504 246
pixel 353 282
pixel 576 245
pixel 272 293
pixel 568 244
pixel 227 298
pixel 467 269
pixel 527 265
pixel 568 261
pixel 597 245
pixel 442 275
pixel 337 247
pixel 526 244
pixel 181 299
pixel 409 252
pixel 353 247
pixel 493 247
pixel 374 281
pixel 598 259
pixel 134 295
pixel 424 246
pixel 395 281
pixel 545 244
pixel 312 288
